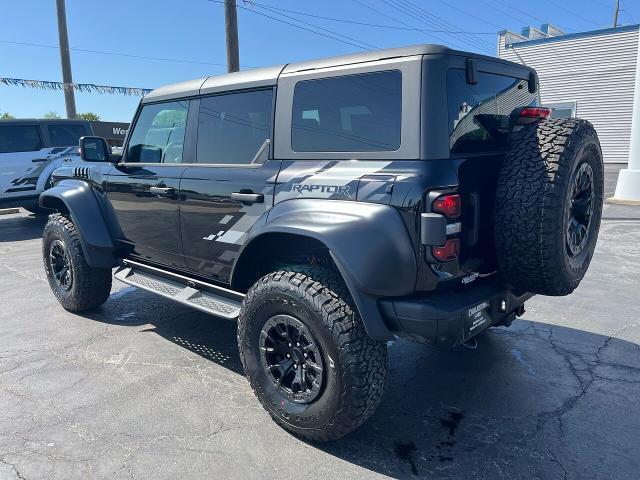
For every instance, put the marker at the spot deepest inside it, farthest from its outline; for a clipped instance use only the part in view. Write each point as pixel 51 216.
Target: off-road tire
pixel 533 205
pixel 90 286
pixel 356 364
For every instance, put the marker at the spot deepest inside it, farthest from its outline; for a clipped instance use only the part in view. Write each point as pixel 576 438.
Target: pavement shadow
pixel 535 398
pixel 208 336
pixel 21 227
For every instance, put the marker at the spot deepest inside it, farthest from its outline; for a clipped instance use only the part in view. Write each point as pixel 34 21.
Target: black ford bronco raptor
pixel 331 206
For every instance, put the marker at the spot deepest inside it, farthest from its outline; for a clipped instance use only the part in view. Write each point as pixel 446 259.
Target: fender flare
pixel 369 244
pixel 80 201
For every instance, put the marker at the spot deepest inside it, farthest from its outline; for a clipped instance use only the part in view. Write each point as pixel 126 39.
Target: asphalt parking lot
pixel 144 388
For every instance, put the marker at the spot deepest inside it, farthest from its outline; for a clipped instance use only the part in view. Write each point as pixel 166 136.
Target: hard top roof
pixel 41 120
pixel 266 76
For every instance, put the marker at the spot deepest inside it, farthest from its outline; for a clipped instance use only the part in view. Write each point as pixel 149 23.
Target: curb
pixel 7 211
pixel 620 201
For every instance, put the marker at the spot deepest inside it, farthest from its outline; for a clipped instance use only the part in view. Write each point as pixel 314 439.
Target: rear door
pixel 144 189
pixel 23 157
pixel 231 184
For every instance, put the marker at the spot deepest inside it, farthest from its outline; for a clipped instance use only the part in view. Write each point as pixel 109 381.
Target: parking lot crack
pixel 14 468
pixel 555 460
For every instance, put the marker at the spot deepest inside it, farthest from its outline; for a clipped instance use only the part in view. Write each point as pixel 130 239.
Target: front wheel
pixel 76 285
pixel 306 354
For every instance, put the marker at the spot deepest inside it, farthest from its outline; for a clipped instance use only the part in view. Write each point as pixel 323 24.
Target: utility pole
pixel 615 14
pixel 65 60
pixel 231 25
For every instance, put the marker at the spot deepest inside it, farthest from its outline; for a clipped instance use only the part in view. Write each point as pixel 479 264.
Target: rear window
pixel 479 114
pixel 352 113
pixel 19 138
pixel 62 135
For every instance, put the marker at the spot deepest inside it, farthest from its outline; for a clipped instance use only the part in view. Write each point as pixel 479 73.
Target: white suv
pixel 29 151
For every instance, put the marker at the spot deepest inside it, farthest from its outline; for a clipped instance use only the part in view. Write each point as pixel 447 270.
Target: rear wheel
pixel 548 206
pixel 306 353
pixel 76 285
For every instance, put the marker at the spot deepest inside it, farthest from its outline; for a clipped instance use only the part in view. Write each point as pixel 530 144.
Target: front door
pixel 144 189
pixel 231 184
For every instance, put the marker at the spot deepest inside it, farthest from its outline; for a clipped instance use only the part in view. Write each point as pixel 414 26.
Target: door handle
pixel 163 191
pixel 248 197
pixel 37 160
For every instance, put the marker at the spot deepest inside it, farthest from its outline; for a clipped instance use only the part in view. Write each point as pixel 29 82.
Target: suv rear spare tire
pixel 548 205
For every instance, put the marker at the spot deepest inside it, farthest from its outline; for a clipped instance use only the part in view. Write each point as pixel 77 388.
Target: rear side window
pixel 233 128
pixel 158 135
pixel 19 138
pixel 479 113
pixel 352 113
pixel 66 135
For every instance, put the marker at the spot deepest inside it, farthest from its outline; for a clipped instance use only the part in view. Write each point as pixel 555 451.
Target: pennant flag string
pixel 79 87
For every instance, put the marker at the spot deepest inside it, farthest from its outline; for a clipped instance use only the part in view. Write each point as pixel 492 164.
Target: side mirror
pixel 94 149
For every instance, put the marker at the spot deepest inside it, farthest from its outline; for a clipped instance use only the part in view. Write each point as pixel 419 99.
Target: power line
pixel 444 23
pixel 408 11
pixel 584 19
pixel 513 7
pixel 317 26
pixel 365 24
pixel 332 34
pixel 470 14
pixel 397 20
pixel 118 54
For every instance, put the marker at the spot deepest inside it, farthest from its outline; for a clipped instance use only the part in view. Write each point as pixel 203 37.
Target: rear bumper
pixel 452 317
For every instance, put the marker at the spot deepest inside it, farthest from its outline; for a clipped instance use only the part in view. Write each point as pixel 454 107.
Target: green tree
pixel 51 115
pixel 89 116
pixel 6 116
pixel 170 118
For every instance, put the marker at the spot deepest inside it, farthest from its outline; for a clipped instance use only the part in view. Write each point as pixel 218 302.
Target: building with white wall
pixel 590 75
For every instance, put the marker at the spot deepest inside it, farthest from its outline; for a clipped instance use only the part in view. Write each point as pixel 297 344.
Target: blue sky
pixel 193 31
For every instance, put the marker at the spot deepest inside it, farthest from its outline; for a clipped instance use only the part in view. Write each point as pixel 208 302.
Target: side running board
pixel 202 296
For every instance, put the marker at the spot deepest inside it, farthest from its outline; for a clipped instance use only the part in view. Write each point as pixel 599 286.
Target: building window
pixel 562 109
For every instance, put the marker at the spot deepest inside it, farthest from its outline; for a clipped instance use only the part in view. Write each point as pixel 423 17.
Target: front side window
pixel 62 135
pixel 479 113
pixel 158 135
pixel 232 128
pixel 352 113
pixel 19 138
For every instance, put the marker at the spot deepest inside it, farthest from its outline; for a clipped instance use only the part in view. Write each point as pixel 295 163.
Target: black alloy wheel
pixel 291 357
pixel 60 265
pixel 579 210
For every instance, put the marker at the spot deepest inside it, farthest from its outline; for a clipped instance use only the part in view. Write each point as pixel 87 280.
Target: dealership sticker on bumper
pixel 476 318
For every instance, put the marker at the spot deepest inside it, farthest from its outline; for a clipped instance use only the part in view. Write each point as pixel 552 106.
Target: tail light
pixel 448 205
pixel 535 112
pixel 449 251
